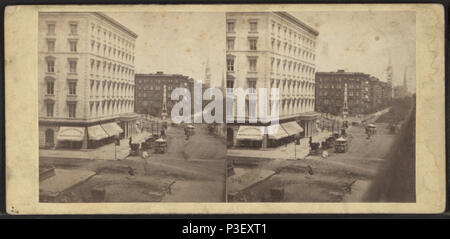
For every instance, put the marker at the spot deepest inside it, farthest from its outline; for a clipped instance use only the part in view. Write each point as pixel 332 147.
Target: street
pixel 339 177
pixel 191 171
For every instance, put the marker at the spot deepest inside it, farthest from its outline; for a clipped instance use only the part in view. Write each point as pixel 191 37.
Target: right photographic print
pixel 320 106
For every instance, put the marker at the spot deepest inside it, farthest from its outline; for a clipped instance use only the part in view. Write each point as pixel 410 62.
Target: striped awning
pixel 112 129
pixel 96 132
pixel 292 128
pixel 276 132
pixel 250 133
pixel 70 134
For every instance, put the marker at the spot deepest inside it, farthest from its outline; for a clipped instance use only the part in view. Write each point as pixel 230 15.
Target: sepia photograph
pixel 106 132
pixel 346 106
pixel 229 109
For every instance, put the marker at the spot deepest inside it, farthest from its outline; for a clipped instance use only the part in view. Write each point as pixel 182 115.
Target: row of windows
pixel 350 101
pixel 109 107
pixel 111 89
pixel 253 26
pixel 112 69
pixel 71 109
pixel 71 86
pixel 111 36
pixel 291 50
pixel 292 35
pixel 286 107
pixel 252 44
pixel 284 86
pixel 51 28
pixel 51 45
pixel 351 93
pixel 112 52
pixel 338 86
pixel 291 66
pixel 72 63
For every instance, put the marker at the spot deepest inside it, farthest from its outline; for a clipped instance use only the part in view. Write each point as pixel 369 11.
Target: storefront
pixel 293 130
pixel 96 136
pixel 276 136
pixel 70 137
pixel 250 136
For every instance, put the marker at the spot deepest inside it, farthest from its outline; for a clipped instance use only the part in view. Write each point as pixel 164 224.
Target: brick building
pixel 150 92
pixel 86 79
pixel 365 93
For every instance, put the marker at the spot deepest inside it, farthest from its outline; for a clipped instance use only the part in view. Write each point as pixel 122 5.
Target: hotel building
pixel 271 50
pixel 86 79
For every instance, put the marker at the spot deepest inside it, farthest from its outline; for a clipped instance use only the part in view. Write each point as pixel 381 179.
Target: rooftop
pixel 297 21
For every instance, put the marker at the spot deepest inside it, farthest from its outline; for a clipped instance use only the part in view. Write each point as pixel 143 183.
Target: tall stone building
pixel 86 79
pixel 271 50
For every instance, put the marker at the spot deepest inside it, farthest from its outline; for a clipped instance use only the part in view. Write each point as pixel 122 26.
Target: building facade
pixel 271 50
pixel 152 88
pixel 86 79
pixel 365 93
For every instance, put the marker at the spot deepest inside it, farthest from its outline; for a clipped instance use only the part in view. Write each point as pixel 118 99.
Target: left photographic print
pixel 109 128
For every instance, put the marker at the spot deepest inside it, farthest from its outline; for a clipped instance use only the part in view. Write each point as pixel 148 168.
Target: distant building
pixel 401 91
pixel 86 79
pixel 271 50
pixel 150 92
pixel 365 93
pixel 390 76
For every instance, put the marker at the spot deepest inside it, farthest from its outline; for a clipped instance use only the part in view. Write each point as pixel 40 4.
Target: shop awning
pixel 112 129
pixel 276 132
pixel 117 128
pixel 250 133
pixel 292 128
pixel 70 134
pixel 96 132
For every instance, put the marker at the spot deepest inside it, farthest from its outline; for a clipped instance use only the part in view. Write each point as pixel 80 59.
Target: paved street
pixel 339 177
pixel 192 170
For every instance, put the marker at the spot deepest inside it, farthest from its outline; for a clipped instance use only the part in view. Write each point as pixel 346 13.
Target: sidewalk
pixel 62 181
pixel 281 152
pixel 106 152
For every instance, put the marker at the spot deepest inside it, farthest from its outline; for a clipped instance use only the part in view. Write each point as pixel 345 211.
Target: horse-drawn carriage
pixel 371 129
pixel 315 147
pixel 160 146
pixel 341 145
pixel 189 130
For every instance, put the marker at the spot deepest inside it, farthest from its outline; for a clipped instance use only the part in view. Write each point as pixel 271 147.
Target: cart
pixel 160 146
pixel 134 149
pixel 341 145
pixel 190 129
pixel 371 129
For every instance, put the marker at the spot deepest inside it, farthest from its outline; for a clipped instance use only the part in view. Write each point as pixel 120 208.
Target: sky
pixel 182 42
pixel 178 43
pixel 363 42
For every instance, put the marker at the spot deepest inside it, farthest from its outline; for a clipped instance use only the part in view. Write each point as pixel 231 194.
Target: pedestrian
pixel 130 141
